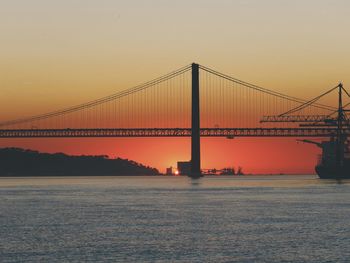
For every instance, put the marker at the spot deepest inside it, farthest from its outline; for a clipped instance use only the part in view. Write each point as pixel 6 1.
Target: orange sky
pixel 254 155
pixel 58 53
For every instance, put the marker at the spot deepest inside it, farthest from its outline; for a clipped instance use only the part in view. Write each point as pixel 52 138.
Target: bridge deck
pixel 171 132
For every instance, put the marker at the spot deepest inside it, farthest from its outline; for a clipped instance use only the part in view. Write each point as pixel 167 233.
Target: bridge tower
pixel 195 132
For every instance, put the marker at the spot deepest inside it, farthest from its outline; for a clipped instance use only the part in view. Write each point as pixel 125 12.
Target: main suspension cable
pixel 267 91
pixel 99 101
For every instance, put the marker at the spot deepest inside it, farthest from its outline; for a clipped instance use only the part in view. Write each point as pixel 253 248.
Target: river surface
pixel 174 219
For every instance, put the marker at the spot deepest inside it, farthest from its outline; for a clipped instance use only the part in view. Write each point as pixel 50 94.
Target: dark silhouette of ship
pixel 328 166
pixel 334 162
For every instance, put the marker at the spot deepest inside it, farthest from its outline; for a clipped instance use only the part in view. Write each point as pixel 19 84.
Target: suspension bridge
pixel 194 101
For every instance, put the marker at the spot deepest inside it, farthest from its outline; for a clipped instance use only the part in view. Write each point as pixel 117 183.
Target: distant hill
pixel 21 162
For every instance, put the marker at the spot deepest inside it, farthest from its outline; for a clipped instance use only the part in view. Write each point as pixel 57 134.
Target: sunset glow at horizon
pixel 56 54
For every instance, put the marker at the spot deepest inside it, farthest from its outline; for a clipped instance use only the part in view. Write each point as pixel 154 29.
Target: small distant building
pixel 184 168
pixel 170 171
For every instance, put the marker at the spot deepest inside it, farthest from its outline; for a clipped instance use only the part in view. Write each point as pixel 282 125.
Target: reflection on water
pixel 174 219
pixel 174 181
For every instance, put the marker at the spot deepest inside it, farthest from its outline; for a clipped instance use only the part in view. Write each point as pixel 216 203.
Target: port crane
pixel 335 149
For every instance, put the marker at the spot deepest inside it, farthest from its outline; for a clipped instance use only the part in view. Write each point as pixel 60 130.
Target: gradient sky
pixel 57 53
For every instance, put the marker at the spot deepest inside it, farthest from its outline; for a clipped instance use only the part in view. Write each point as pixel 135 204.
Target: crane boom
pixel 311 142
pixel 296 118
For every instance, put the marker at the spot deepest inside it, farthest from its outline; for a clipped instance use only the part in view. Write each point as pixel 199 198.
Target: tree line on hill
pixel 21 162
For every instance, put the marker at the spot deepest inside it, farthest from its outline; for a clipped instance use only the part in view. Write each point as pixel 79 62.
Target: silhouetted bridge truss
pixel 193 101
pixel 229 133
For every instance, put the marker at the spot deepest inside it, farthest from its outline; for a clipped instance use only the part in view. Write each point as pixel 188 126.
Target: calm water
pixel 144 219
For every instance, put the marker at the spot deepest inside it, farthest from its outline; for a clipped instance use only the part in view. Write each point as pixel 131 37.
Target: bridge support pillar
pixel 195 132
